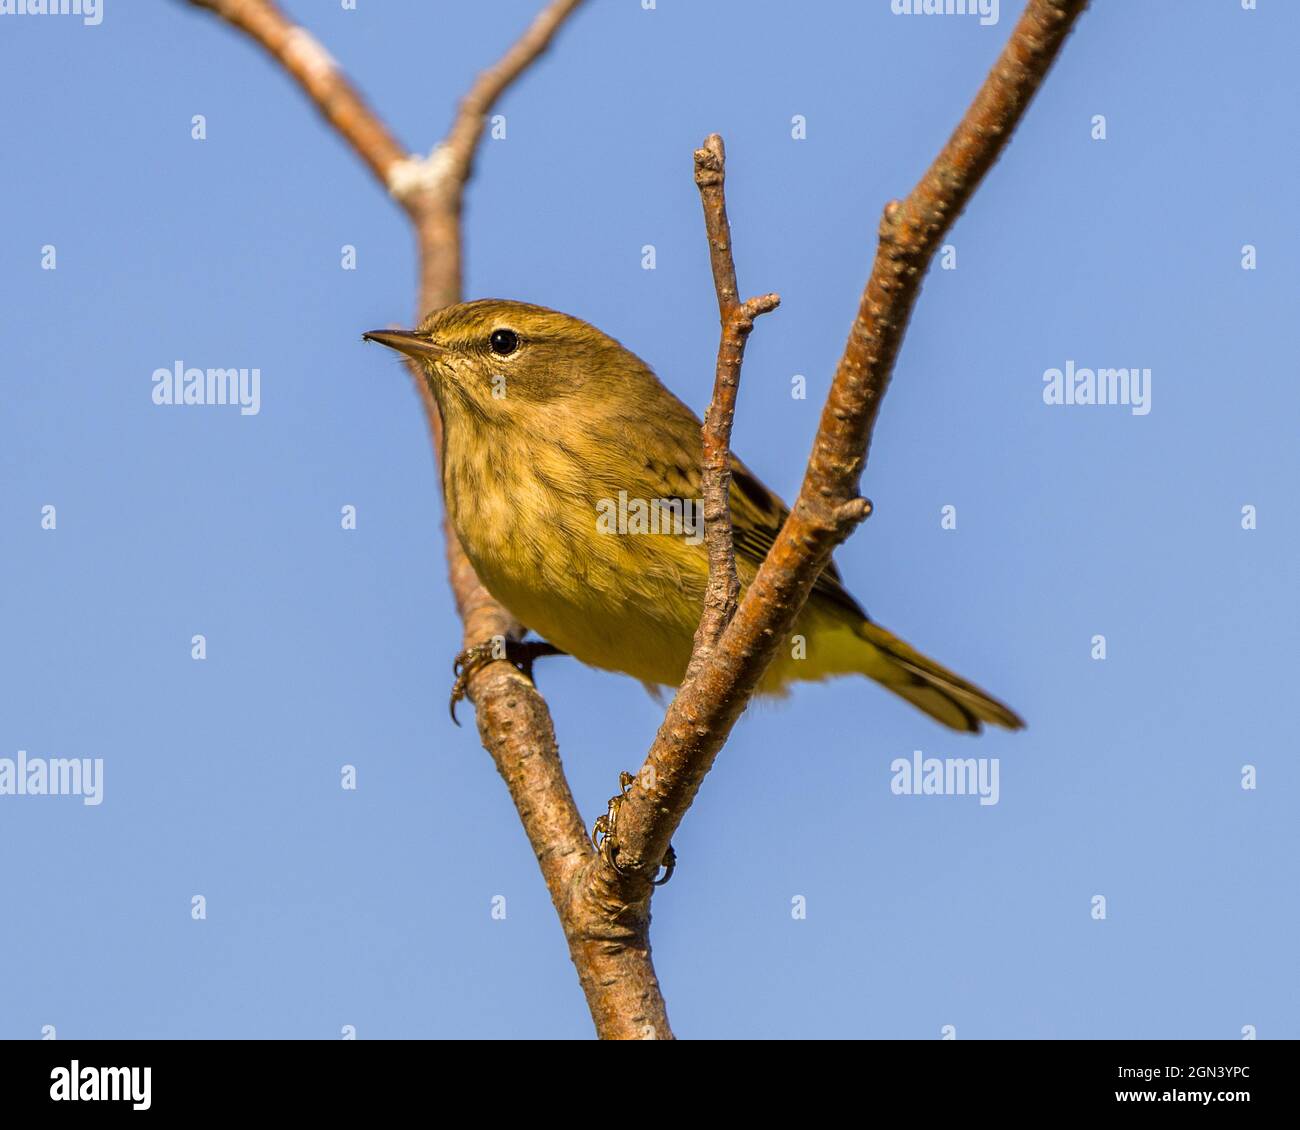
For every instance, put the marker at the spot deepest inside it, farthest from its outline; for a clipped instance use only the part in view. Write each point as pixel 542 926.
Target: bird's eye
pixel 504 341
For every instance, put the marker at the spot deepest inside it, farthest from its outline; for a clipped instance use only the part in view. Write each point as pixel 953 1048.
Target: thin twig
pixel 463 138
pixel 737 320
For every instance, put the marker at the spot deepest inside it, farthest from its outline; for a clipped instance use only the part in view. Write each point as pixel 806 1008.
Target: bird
pixel 572 480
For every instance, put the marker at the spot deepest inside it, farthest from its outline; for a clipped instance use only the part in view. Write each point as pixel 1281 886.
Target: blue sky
pixel 327 647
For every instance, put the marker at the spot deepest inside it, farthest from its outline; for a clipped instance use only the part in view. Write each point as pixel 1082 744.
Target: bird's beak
pixel 405 341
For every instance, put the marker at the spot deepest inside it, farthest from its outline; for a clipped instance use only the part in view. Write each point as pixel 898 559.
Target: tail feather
pixel 946 697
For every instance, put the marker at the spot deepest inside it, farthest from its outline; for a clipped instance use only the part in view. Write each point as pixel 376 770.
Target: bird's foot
pixel 605 839
pixel 519 652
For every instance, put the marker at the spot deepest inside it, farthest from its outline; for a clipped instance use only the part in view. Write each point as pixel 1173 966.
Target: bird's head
pixel 496 359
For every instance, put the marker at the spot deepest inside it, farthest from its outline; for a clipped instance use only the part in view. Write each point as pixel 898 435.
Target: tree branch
pixel 828 508
pixel 609 945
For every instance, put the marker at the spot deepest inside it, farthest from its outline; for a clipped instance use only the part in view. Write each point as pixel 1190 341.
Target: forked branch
pixel 828 508
pixel 612 959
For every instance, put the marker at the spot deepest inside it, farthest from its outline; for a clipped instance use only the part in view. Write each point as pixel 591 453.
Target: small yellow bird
pixel 572 478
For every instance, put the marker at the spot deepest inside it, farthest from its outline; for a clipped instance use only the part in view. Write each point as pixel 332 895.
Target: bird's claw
pixel 602 833
pixel 463 667
pixel 472 659
pixel 669 864
pixel 605 840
